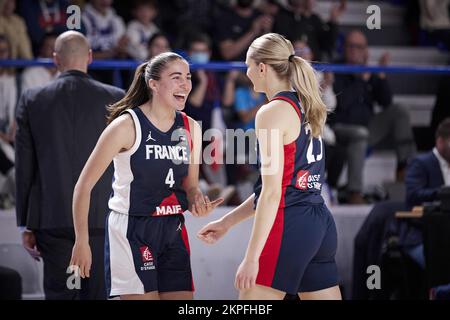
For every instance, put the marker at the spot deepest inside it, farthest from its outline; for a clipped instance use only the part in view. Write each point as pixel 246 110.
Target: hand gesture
pixel 213 231
pixel 201 206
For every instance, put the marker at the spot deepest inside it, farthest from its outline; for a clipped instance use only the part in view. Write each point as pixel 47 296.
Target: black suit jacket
pixel 57 128
pixel 423 179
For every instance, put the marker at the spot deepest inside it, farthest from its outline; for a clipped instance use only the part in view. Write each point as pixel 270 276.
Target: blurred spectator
pixel 43 16
pixel 181 19
pixel 206 91
pixel 105 30
pixel 300 22
pixel 269 7
pixel 203 105
pixel 355 122
pixel 39 75
pixel 15 29
pixel 428 172
pixel 246 101
pixel 158 43
pixel 142 28
pixel 8 94
pixel 441 108
pixel 80 3
pixel 238 27
pixel 435 19
pixel 123 9
pixel 240 96
pixel 425 176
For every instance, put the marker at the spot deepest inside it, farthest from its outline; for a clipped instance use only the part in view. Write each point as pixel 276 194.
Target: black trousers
pixel 55 246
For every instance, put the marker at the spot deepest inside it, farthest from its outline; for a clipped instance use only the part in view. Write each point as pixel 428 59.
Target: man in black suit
pixel 428 172
pixel 425 175
pixel 57 128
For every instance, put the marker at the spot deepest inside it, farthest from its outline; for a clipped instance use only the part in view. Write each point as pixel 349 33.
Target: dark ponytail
pixel 139 92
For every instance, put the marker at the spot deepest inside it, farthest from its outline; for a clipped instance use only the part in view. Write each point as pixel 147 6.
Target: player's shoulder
pixel 193 124
pixel 274 110
pixel 123 122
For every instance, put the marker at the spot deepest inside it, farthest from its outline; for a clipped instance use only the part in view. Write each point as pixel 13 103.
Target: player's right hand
pixel 81 259
pixel 213 231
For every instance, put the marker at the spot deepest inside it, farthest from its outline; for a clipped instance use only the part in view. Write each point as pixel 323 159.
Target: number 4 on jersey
pixel 169 178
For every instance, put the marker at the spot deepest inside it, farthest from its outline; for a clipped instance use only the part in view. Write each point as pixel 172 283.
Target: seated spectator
pixel 435 19
pixel 158 43
pixel 140 30
pixel 440 109
pixel 247 102
pixel 425 175
pixel 270 7
pixel 238 27
pixel 206 91
pixel 180 20
pixel 203 104
pixel 355 122
pixel 105 30
pixel 241 104
pixel 299 21
pixel 43 16
pixel 15 29
pixel 8 94
pixel 428 172
pixel 39 75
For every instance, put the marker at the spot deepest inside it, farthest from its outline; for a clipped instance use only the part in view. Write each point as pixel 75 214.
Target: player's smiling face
pixel 175 84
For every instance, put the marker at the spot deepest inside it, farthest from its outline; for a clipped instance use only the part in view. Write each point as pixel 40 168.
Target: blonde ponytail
pixel 304 80
pixel 275 50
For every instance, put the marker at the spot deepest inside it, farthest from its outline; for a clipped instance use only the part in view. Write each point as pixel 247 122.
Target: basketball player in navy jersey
pixel 155 181
pixel 293 242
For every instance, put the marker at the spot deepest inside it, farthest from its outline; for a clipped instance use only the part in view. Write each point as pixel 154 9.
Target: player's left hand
pixel 202 206
pixel 246 275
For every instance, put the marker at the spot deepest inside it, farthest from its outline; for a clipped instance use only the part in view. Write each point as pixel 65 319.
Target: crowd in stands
pixel 363 116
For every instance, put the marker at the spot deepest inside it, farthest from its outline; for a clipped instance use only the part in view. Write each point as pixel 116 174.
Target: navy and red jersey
pixel 304 163
pixel 148 178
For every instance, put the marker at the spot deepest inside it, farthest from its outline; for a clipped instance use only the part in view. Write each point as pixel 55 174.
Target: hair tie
pixel 291 57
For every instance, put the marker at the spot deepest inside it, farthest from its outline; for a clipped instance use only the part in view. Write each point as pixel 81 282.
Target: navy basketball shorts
pixel 299 253
pixel 145 254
